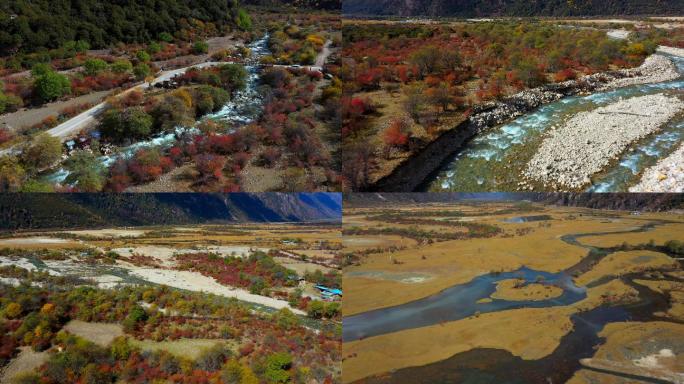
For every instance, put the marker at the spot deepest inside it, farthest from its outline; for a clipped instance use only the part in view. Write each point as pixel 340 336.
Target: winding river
pixel 495 160
pixel 486 365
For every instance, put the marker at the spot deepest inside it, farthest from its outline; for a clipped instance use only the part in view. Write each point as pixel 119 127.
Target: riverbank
pixel 588 142
pixel 414 173
pixel 666 176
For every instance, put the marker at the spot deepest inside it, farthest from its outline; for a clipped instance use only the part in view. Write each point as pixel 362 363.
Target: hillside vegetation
pixel 31 211
pixel 31 26
pixel 474 8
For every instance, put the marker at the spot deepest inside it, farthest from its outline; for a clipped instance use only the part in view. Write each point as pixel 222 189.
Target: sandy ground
pixel 21 263
pixel 506 290
pixel 27 361
pixel 27 117
pixel 110 232
pixel 655 345
pixel 34 241
pixel 193 281
pixel 99 333
pixel 166 255
pixel 300 266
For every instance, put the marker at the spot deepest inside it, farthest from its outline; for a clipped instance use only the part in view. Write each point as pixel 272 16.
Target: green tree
pixel 51 86
pixel 243 20
pixel 122 66
pixel 200 47
pixel 120 349
pixel 86 171
pixel 40 69
pixel 132 123
pixel 94 66
pixel 233 77
pixel 315 309
pixel 141 71
pixel 278 368
pixel 143 56
pixel 43 151
pixel 154 47
pixel 331 310
pixel 136 316
pixel 166 37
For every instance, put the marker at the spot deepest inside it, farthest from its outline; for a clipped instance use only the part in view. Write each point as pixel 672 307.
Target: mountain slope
pixel 328 5
pixel 479 8
pixel 611 201
pixel 25 211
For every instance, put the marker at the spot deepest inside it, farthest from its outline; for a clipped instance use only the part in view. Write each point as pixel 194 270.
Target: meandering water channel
pixel 495 160
pixel 486 365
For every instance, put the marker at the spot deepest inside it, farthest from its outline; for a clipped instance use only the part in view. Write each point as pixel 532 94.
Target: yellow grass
pixel 531 333
pixel 185 348
pixel 620 263
pixel 99 333
pixel 507 290
pixel 660 235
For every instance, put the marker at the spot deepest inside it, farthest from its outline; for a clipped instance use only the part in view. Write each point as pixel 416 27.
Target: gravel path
pixel 666 176
pixel 590 140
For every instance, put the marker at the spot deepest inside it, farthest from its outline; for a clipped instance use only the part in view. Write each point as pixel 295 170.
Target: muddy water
pixel 494 161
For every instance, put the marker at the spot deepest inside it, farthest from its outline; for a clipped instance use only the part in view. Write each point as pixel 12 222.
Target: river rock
pixel 590 140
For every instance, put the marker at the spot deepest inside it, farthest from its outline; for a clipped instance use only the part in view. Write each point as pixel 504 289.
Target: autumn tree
pixel 12 174
pixel 42 152
pixel 396 135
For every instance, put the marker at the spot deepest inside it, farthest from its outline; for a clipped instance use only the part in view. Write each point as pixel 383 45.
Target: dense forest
pixel 36 25
pixel 24 211
pixel 475 8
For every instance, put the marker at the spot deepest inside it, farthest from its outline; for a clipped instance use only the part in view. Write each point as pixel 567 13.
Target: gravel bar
pixel 590 140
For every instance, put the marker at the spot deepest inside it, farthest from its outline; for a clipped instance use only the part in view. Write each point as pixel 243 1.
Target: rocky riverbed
pixel 590 140
pixel 655 69
pixel 666 176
